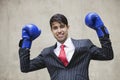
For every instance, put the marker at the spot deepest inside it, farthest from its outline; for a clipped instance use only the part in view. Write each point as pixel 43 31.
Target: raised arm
pixel 94 21
pixel 29 33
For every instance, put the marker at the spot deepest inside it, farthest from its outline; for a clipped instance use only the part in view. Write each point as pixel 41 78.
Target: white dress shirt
pixel 69 49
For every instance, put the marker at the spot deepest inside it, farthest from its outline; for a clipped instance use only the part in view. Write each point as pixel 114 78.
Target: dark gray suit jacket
pixel 77 68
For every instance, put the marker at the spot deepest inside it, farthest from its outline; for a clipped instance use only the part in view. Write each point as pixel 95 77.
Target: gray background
pixel 16 13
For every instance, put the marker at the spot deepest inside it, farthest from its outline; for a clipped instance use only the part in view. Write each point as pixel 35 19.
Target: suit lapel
pixel 54 55
pixel 77 48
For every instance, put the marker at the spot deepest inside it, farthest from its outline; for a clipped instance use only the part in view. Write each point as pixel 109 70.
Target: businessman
pixel 69 58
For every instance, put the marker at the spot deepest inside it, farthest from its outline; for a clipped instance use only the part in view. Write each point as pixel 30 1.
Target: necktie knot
pixel 62 46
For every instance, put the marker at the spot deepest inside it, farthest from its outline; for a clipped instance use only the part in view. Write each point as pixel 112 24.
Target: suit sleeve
pixel 28 65
pixel 103 53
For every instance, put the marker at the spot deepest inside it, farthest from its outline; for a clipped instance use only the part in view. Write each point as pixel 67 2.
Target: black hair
pixel 58 18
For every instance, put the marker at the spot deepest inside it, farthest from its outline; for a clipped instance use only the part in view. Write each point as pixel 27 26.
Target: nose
pixel 59 30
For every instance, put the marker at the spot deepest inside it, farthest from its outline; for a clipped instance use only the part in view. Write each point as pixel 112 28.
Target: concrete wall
pixel 16 13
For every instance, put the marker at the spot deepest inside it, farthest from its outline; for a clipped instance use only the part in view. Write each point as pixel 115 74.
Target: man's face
pixel 60 31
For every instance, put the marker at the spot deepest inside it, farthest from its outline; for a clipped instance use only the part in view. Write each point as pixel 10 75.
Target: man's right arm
pixel 29 33
pixel 27 65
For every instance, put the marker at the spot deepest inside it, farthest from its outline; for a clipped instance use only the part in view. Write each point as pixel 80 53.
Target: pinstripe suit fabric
pixel 77 68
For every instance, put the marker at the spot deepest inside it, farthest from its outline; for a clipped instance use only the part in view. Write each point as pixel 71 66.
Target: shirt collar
pixel 67 43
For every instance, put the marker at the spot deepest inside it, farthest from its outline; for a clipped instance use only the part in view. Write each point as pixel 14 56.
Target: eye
pixel 62 26
pixel 55 27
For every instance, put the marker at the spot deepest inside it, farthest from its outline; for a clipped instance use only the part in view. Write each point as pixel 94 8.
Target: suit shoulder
pixel 83 42
pixel 47 50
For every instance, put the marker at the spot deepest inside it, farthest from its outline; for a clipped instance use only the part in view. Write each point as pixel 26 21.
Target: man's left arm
pixel 103 53
pixel 94 21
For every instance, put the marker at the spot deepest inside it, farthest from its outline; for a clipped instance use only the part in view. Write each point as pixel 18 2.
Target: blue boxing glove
pixel 29 33
pixel 94 21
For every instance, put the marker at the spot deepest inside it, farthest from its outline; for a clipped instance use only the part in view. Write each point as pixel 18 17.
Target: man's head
pixel 59 27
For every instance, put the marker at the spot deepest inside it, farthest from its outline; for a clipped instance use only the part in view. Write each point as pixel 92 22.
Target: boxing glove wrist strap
pixel 102 31
pixel 25 43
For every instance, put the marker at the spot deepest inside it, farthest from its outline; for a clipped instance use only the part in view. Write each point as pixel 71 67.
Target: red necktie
pixel 62 55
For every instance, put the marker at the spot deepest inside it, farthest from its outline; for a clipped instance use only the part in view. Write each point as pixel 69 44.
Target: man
pixel 68 59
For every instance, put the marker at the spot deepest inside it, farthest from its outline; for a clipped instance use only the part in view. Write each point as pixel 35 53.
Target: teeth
pixel 60 35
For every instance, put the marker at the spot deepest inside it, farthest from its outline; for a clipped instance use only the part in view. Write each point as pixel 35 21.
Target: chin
pixel 61 40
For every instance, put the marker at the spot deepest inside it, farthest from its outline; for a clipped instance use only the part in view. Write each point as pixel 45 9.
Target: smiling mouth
pixel 60 36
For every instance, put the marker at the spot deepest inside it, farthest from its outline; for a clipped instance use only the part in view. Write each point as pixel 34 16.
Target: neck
pixel 62 42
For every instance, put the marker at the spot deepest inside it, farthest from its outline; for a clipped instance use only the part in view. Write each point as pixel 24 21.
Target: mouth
pixel 60 35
